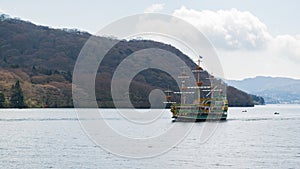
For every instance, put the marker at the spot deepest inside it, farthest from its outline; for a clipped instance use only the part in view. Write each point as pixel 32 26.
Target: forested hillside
pixel 36 65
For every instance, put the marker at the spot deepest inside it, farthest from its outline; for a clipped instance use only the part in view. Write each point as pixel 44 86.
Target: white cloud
pixel 154 8
pixel 1 11
pixel 231 29
pixel 244 45
pixel 286 46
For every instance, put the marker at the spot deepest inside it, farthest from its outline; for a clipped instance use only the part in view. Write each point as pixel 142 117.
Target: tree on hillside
pixel 2 100
pixel 17 98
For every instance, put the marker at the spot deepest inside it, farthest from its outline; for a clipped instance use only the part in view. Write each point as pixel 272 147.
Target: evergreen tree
pixel 2 100
pixel 17 98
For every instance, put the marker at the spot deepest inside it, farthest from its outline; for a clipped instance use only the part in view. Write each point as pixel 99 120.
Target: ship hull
pixel 198 114
pixel 201 118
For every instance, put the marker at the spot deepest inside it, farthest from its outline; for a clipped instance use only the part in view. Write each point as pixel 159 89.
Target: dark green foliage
pixel 2 100
pixel 17 98
pixel 23 44
pixel 14 66
pixel 257 100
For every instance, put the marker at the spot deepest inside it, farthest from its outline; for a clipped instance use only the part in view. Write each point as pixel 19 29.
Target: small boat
pixel 244 110
pixel 276 113
pixel 213 106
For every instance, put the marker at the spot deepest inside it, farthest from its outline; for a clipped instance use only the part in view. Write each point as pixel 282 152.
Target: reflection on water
pixel 53 138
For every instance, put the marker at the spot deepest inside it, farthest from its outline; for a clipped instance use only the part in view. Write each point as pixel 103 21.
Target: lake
pixel 250 138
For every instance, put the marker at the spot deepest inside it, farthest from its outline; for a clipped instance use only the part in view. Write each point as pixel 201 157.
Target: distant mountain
pixel 39 60
pixel 273 89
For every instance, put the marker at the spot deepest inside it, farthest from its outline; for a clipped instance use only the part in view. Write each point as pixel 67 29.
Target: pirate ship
pixel 209 101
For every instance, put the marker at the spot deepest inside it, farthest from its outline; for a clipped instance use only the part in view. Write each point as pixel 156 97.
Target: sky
pixel 252 37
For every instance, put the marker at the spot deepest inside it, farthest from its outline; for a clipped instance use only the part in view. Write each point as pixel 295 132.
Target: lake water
pixel 53 138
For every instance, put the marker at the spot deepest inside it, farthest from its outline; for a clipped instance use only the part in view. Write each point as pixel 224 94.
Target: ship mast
pixel 168 97
pixel 199 83
pixel 183 86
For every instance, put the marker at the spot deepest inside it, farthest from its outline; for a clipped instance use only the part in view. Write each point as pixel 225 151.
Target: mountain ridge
pixel 42 59
pixel 273 89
